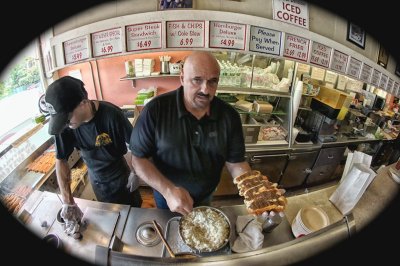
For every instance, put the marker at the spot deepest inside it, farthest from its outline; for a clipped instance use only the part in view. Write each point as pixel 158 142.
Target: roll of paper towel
pixel 297 98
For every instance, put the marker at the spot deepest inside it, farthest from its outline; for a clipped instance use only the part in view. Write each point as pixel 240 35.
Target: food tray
pixel 177 245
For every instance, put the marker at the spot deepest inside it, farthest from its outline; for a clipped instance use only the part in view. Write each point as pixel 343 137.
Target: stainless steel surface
pixel 146 234
pixel 102 220
pixel 270 164
pixel 137 217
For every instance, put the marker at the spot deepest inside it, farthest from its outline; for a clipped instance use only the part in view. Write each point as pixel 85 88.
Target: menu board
pixel 264 40
pixel 106 42
pixel 376 77
pixel 366 73
pixel 354 68
pixel 389 86
pixel 383 82
pixel 339 61
pixel 396 88
pixel 76 49
pixel 320 54
pixel 330 77
pixel 296 47
pixel 317 73
pixel 185 34
pixel 143 36
pixel 227 35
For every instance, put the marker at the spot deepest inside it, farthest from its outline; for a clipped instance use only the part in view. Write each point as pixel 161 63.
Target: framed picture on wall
pixel 383 57
pixel 174 4
pixel 356 34
pixel 397 71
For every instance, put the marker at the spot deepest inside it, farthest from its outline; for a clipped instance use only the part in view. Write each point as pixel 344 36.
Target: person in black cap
pixel 101 132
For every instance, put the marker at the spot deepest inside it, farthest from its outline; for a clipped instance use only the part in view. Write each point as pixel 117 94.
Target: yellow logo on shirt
pixel 103 139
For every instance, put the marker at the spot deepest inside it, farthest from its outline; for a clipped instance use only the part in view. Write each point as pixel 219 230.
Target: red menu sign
pixel 227 35
pixel 185 34
pixel 354 68
pixel 76 49
pixel 296 47
pixel 366 72
pixel 144 36
pixel 339 61
pixel 106 42
pixel 320 54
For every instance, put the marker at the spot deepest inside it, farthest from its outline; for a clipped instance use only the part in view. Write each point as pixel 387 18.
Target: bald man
pixel 183 138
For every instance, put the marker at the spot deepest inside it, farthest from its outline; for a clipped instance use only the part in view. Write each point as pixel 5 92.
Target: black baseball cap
pixel 62 96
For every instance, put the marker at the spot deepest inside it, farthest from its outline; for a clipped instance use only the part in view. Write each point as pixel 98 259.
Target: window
pixel 20 89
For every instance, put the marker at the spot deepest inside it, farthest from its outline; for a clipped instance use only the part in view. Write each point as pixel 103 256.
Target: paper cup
pixel 309 219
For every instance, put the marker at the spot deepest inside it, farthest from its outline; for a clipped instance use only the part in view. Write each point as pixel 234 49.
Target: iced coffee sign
pixel 320 54
pixel 185 34
pixel 294 12
pixel 227 35
pixel 143 36
pixel 265 40
pixel 76 49
pixel 106 42
pixel 296 47
pixel 339 61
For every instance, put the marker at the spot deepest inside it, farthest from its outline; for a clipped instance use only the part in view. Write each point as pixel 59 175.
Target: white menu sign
pixel 264 40
pixel 227 35
pixel 293 12
pixel 76 49
pixel 396 89
pixel 320 54
pixel 376 76
pixel 339 61
pixel 144 36
pixel 366 72
pixel 296 47
pixel 383 82
pixel 106 42
pixel 185 34
pixel 389 86
pixel 354 68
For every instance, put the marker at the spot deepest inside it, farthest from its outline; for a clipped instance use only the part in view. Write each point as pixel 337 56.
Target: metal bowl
pixel 199 229
pixel 53 240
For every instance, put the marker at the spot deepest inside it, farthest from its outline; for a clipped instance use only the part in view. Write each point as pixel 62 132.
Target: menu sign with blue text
pixel 296 47
pixel 366 73
pixel 320 54
pixel 376 77
pixel 227 35
pixel 106 42
pixel 185 34
pixel 264 40
pixel 76 49
pixel 143 36
pixel 354 68
pixel 294 12
pixel 339 61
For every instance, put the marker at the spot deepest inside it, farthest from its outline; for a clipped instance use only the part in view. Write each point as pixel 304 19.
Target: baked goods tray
pixel 177 245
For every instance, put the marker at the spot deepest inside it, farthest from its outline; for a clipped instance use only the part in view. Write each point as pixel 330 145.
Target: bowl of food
pixel 205 229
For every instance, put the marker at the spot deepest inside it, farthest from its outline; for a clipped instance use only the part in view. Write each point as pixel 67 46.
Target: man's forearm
pixel 236 169
pixel 64 180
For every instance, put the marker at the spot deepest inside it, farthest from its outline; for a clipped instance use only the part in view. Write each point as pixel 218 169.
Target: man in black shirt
pixel 189 135
pixel 100 131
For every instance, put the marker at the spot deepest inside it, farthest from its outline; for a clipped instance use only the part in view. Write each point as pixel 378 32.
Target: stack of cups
pixel 309 219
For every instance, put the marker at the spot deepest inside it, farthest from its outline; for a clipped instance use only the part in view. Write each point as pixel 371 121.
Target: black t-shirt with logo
pixel 102 143
pixel 189 152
